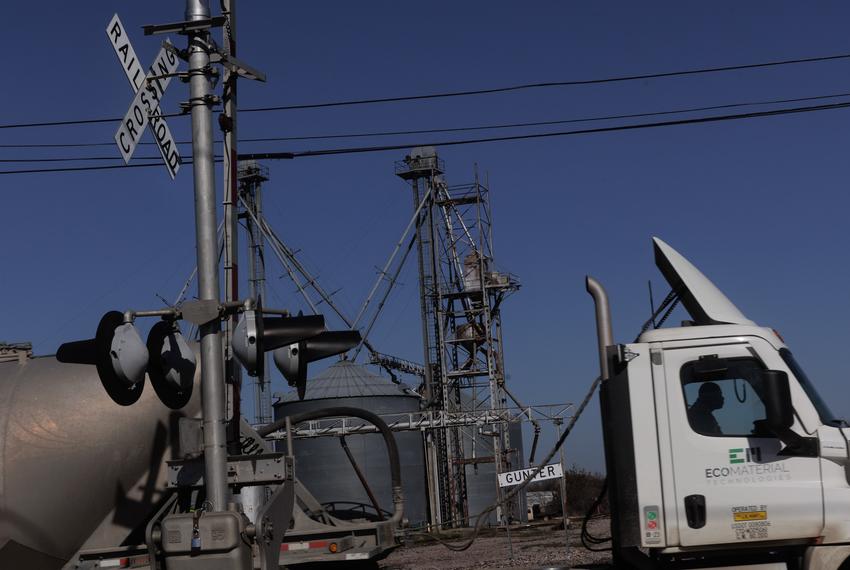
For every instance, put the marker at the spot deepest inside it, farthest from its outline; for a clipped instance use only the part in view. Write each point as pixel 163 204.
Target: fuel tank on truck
pixel 76 469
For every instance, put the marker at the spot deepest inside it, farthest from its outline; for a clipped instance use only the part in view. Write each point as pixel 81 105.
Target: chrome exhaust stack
pixel 604 332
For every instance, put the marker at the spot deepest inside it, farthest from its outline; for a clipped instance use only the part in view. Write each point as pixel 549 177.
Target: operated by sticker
pixel 750 522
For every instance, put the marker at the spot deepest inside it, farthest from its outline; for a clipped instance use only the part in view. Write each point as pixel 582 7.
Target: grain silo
pixel 480 473
pixel 322 464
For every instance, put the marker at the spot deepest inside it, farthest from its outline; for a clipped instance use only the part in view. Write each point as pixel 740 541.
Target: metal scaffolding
pixel 461 294
pixel 464 421
pixel 430 419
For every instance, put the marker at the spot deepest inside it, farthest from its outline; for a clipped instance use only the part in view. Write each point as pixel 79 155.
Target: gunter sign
pixel 510 478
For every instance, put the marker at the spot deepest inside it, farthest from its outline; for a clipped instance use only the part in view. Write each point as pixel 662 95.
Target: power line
pixel 525 86
pixel 547 84
pixel 83 159
pixel 87 168
pixel 691 121
pixel 548 123
pixel 457 129
pixel 75 159
pixel 356 150
pixel 77 168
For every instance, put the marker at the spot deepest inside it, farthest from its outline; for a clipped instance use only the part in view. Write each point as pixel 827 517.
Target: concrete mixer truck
pixel 719 451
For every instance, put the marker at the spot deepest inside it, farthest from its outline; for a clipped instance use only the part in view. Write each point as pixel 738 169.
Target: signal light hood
pixel 706 304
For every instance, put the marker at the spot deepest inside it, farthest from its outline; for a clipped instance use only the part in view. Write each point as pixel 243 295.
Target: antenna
pixel 667 305
pixel 651 305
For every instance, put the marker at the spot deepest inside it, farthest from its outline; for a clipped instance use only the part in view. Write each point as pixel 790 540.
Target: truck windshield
pixel 826 416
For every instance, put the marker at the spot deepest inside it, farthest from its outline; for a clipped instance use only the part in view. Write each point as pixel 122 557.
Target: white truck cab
pixel 719 451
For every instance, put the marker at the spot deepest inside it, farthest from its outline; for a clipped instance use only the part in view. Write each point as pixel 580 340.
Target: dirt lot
pixel 537 546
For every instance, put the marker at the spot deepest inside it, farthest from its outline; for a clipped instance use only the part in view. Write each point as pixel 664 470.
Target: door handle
pixel 695 510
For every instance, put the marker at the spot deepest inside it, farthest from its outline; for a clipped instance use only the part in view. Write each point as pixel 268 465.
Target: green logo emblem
pixel 733 455
pixel 744 455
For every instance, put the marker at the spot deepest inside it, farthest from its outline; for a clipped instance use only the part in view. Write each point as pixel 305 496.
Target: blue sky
pixel 759 205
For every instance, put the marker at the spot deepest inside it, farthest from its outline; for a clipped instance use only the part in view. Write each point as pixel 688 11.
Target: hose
pixel 375 420
pixel 586 538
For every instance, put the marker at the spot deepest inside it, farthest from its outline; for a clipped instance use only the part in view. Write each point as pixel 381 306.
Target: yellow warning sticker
pixel 750 516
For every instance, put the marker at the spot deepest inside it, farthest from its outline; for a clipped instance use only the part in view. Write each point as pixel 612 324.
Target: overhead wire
pixel 472 92
pixel 85 159
pixel 286 155
pixel 465 128
pixel 90 168
pixel 690 121
pixel 546 123
pixel 548 84
pixel 75 159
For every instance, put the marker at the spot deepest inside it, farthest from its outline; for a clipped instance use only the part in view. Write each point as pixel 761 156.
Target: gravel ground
pixel 537 546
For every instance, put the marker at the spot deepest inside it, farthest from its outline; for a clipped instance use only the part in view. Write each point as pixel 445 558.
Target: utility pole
pixel 232 370
pixel 212 358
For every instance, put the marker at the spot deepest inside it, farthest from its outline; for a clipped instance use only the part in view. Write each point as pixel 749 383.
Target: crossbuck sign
pixel 149 89
pixel 510 478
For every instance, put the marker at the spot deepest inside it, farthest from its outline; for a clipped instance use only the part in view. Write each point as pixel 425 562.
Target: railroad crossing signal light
pixel 292 360
pixel 118 353
pixel 122 360
pixel 255 335
pixel 172 364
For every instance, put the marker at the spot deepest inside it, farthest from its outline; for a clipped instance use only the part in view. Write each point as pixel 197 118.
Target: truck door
pixel 732 483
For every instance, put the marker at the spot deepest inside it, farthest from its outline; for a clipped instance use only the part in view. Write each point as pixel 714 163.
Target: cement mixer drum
pixel 76 469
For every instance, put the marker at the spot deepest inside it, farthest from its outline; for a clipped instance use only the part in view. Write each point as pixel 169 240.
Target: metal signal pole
pixel 212 370
pixel 233 373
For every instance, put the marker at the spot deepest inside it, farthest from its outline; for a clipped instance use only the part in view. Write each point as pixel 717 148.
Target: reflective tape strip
pixel 294 546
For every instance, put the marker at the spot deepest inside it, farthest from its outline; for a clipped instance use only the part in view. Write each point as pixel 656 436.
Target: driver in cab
pixel 701 414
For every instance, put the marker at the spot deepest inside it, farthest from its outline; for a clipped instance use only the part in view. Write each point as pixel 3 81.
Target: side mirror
pixel 776 394
pixel 777 402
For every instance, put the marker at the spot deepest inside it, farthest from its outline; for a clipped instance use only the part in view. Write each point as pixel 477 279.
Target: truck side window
pixel 724 399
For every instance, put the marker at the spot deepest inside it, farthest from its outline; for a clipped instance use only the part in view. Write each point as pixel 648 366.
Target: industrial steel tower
pixel 251 176
pixel 461 297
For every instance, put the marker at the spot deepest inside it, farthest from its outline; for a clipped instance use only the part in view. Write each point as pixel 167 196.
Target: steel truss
pixel 461 297
pixel 429 419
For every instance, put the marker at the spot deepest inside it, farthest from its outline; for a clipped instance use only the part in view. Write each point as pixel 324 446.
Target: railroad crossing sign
pixel 149 89
pixel 552 471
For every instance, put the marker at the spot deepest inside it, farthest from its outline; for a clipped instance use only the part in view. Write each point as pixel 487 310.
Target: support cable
pixel 383 272
pixel 527 411
pixel 289 261
pixel 281 253
pixel 361 477
pixel 364 341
